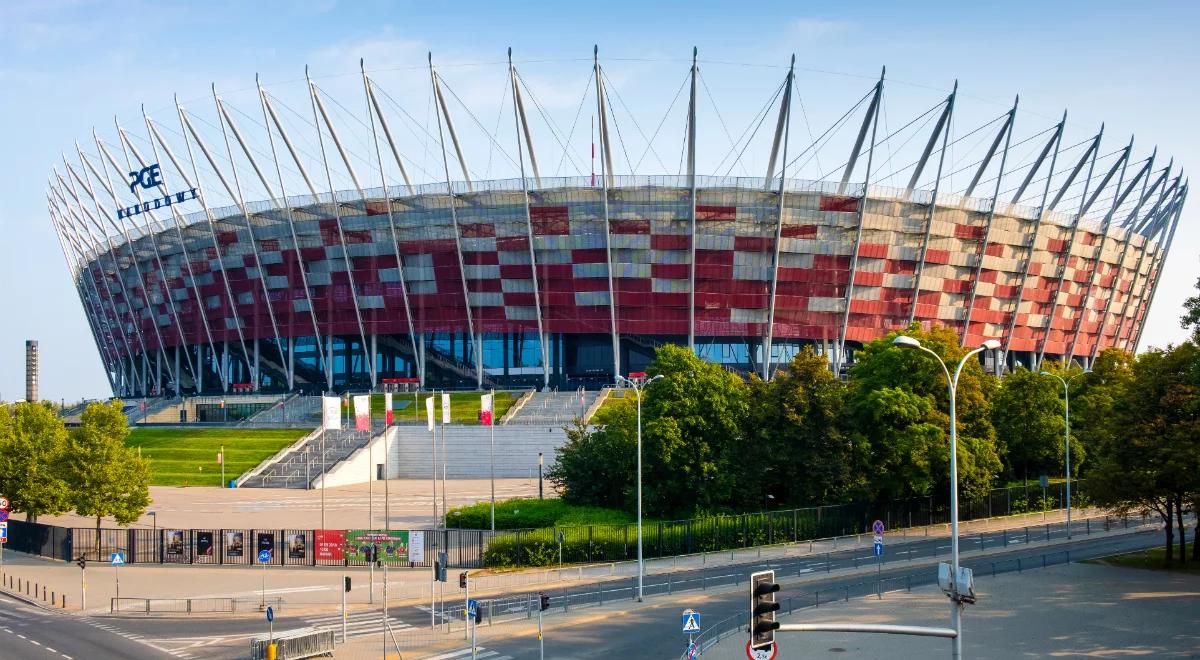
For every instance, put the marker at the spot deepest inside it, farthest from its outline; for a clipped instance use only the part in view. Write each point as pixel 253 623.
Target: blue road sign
pixel 270 615
pixel 264 556
pixel 117 559
pixel 878 548
pixel 691 621
pixel 4 533
pixel 472 607
pixel 877 527
pixel 3 515
pixel 692 650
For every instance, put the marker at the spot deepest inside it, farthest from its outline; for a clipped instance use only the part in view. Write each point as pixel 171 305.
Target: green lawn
pixel 464 406
pixel 188 457
pixel 1151 559
pixel 521 513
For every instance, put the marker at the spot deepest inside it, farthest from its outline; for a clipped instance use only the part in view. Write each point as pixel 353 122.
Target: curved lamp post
pixel 638 381
pixel 952 383
pixel 1067 434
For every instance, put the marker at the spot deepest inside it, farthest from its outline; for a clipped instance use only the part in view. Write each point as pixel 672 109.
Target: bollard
pixel 272 651
pixel 64 605
pixel 1089 526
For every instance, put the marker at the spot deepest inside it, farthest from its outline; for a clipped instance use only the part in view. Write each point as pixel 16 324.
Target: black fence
pixel 472 548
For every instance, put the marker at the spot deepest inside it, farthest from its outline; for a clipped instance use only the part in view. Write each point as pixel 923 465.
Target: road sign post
pixel 3 530
pixel 690 620
pixel 117 559
pixel 877 528
pixel 264 558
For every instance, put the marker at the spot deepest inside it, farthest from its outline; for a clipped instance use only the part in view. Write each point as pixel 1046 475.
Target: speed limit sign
pixel 3 502
pixel 768 653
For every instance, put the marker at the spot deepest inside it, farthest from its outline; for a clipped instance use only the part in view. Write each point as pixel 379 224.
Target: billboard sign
pixel 330 544
pixel 393 544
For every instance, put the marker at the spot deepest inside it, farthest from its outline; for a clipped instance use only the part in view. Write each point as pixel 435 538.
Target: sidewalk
pixel 318 589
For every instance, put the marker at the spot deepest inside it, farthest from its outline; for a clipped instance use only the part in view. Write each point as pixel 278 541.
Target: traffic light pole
pixel 344 590
pixel 541 642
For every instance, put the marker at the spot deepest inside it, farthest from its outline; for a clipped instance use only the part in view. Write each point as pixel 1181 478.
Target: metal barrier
pixel 292 644
pixel 191 605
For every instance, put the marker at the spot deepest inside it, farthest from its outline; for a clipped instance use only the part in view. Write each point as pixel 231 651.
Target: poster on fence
pixel 266 541
pixel 234 544
pixel 174 541
pixel 330 544
pixel 296 546
pixel 204 544
pixel 416 547
pixel 393 544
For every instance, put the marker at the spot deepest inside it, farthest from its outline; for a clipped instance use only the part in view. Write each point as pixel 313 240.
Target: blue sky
pixel 68 66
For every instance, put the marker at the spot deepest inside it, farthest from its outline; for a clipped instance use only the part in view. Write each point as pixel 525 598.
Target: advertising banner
pixel 331 413
pixel 266 541
pixel 416 547
pixel 330 544
pixel 445 407
pixel 204 544
pixel 393 544
pixel 297 546
pixel 174 541
pixel 234 544
pixel 429 411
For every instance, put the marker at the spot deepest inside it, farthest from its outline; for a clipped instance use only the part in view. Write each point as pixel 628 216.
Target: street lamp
pixel 638 381
pixel 952 384
pixel 1067 433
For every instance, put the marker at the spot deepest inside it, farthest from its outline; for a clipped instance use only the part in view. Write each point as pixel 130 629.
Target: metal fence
pixel 192 605
pixel 475 548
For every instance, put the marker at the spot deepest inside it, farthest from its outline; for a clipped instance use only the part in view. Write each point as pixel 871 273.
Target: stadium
pixel 257 247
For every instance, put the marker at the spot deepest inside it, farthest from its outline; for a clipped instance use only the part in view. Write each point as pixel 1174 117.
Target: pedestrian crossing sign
pixel 117 558
pixel 691 621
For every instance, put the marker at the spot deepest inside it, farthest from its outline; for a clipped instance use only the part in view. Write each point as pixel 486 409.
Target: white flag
pixel 387 408
pixel 331 413
pixel 429 411
pixel 362 412
pixel 445 407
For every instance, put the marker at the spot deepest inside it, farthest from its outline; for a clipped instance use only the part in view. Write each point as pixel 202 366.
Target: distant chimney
pixel 31 370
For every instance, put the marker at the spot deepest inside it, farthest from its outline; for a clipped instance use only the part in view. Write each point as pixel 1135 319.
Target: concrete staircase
pixel 554 408
pixel 307 459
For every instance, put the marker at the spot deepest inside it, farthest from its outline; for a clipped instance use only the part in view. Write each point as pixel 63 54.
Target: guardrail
pixel 292 644
pixel 262 467
pixel 191 605
pixel 516 407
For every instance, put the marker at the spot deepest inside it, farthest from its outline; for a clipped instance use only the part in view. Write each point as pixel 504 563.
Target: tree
pixel 106 477
pixel 1027 411
pixel 1191 315
pixel 32 441
pixel 596 467
pixel 797 449
pixel 1152 458
pixel 692 433
pixel 898 405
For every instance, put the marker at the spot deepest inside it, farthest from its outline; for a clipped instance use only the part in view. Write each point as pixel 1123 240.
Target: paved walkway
pixel 1073 610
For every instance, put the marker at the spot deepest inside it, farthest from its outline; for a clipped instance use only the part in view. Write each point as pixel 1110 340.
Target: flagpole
pixel 387 517
pixel 492 449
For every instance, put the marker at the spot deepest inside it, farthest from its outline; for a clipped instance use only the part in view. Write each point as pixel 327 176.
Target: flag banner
pixel 445 407
pixel 331 413
pixel 429 411
pixel 416 546
pixel 220 457
pixel 387 408
pixel 362 412
pixel 485 409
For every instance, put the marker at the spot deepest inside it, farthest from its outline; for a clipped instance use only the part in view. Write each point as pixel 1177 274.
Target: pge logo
pixel 148 177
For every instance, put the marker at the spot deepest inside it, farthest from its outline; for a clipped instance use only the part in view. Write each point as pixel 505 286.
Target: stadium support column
pixel 1006 133
pixel 318 105
pixel 943 126
pixel 522 126
pixel 184 256
pixel 372 103
pixel 1098 253
pixel 451 198
pixel 1032 241
pixel 606 182
pixel 88 247
pixel 870 119
pixel 691 164
pixel 186 127
pixel 269 113
pixel 1148 191
pixel 1156 221
pixel 113 258
pixel 1137 337
pixel 1084 204
pixel 783 129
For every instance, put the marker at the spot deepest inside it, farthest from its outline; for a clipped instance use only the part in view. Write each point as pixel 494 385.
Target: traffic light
pixel 82 561
pixel 762 609
pixel 478 613
pixel 462 580
pixel 347 578
pixel 544 600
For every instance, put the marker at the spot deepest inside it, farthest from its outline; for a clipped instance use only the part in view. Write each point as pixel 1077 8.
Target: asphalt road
pixel 653 630
pixel 30 633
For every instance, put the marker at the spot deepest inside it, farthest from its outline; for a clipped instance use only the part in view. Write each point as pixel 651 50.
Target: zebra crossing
pixel 461 654
pixel 357 624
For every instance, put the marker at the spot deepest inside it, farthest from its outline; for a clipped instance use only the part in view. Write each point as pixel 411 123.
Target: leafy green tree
pixel 692 433
pixel 797 449
pixel 1191 315
pixel 595 467
pixel 899 404
pixel 106 477
pixel 1094 397
pixel 32 441
pixel 1027 411
pixel 1151 460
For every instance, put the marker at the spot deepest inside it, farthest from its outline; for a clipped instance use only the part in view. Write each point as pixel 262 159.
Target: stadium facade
pixel 567 281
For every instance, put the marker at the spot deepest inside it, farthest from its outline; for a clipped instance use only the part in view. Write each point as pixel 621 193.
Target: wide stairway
pixel 310 457
pixel 555 408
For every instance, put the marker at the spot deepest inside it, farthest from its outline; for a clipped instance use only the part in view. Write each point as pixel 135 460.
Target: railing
pixel 191 605
pixel 293 644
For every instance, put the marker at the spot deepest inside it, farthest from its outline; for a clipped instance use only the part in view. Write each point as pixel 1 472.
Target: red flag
pixel 387 408
pixel 485 410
